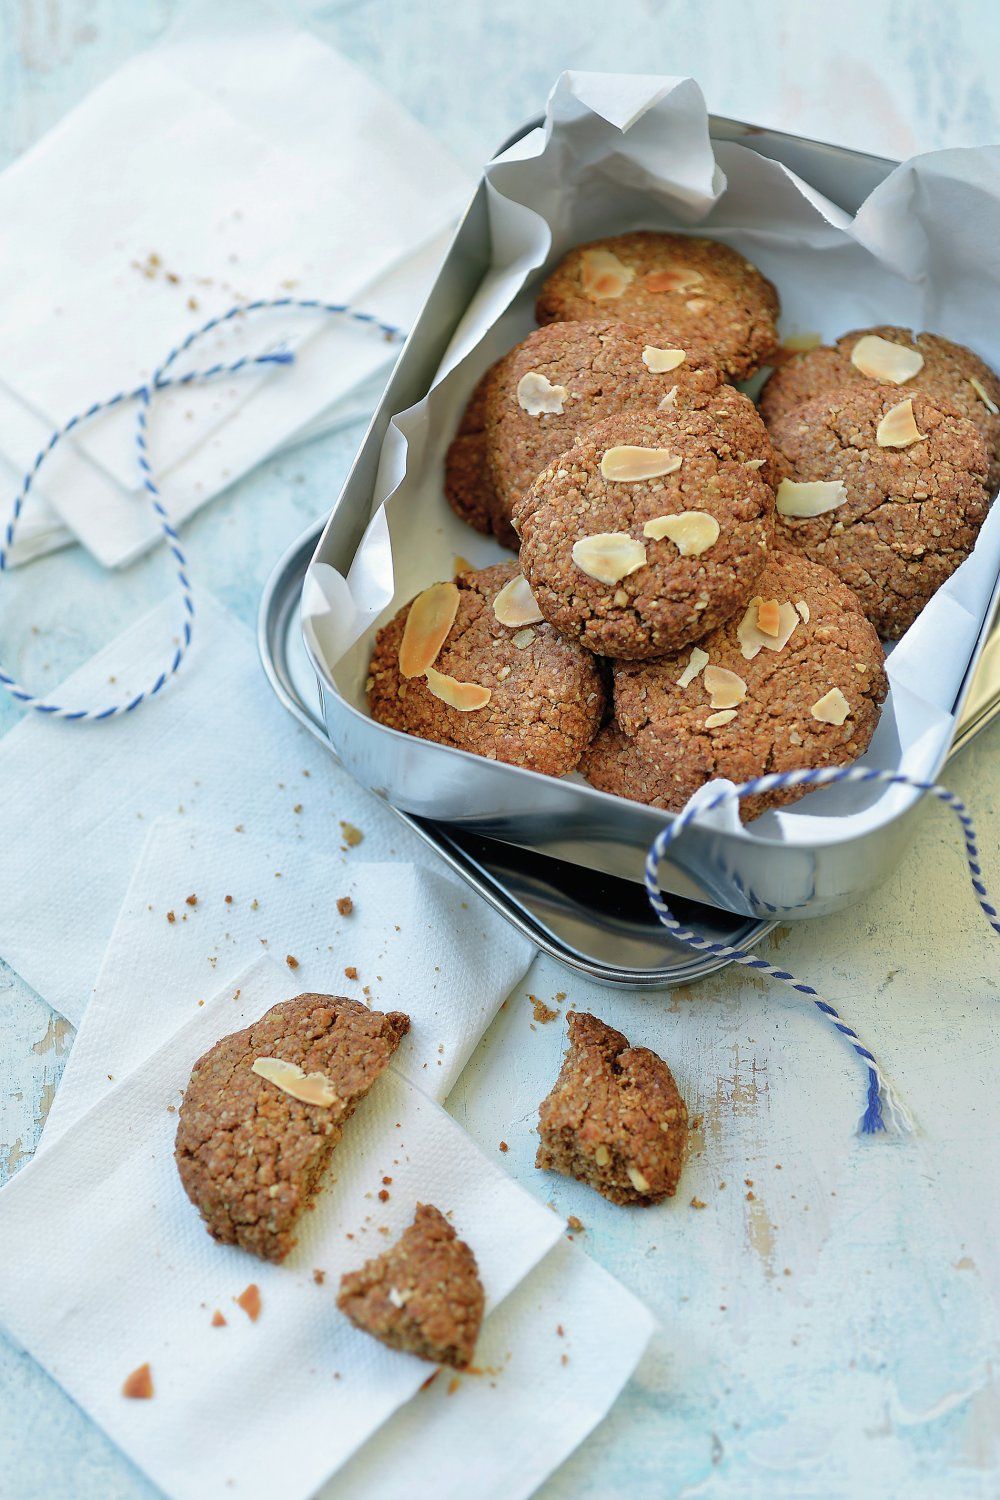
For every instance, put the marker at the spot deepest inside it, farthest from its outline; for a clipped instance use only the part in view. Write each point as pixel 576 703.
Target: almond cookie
pixel 423 1295
pixel 675 286
pixel 517 692
pixel 614 1119
pixel 796 679
pixel 468 487
pixel 914 361
pixel 265 1108
pixel 567 377
pixel 896 493
pixel 652 528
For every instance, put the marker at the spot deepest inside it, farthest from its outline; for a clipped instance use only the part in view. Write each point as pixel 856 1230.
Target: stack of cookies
pixel 700 586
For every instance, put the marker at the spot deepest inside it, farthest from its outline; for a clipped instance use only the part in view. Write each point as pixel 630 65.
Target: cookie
pixel 947 370
pixel 530 697
pixel 614 1119
pixel 568 376
pixel 747 701
pixel 423 1295
pixel 468 487
pixel 265 1108
pixel 676 286
pixel 635 567
pixel 900 518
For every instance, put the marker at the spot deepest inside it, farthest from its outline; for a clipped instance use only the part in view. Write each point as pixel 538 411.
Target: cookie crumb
pixel 383 1195
pixel 319 1277
pixel 698 1203
pixel 139 1385
pixel 218 1321
pixel 228 900
pixel 352 835
pixel 345 905
pixel 191 900
pixel 453 1385
pixel 249 1300
pixel 350 972
pixel 575 1224
pixel 171 917
pixel 504 1146
pixel 291 961
pixel 542 1012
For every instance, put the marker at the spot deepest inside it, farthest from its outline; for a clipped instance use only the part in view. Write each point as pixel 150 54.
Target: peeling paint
pixel 760 1233
pixel 58 1035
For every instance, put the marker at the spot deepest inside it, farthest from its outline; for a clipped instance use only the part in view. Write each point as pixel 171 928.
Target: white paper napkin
pixel 216 743
pixel 240 158
pixel 421 942
pixel 125 1273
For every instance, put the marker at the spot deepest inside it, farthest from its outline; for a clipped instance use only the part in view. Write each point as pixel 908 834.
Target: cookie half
pixel 615 1118
pixel 423 1295
pixel 902 493
pixel 541 697
pixel 745 702
pixel 676 286
pixel 652 528
pixel 946 370
pixel 265 1108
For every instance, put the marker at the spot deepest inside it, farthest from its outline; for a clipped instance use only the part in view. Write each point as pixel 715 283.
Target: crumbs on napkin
pixel 352 836
pixel 139 1385
pixel 291 961
pixel 345 905
pixel 249 1300
pixel 350 972
pixel 542 1012
pixel 218 1321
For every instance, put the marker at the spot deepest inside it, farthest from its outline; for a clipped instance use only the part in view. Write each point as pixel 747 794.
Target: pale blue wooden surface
pixel 890 77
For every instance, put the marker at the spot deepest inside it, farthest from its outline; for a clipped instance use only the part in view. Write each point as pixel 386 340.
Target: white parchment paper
pixel 618 153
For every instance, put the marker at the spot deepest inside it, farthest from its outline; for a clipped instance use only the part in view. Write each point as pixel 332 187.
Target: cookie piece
pixel 768 710
pixel 568 376
pixel 666 580
pixel 251 1155
pixel 468 486
pixel 696 291
pixel 948 371
pixel 423 1295
pixel 614 1118
pixel 909 515
pixel 545 695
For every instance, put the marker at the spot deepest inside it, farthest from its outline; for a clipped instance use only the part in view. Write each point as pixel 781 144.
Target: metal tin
pixel 564 820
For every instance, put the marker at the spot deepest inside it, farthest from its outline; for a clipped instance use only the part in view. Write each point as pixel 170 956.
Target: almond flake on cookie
pixel 673 279
pixel 465 696
pixel 432 614
pixel 898 428
pixel 536 394
pixel 692 531
pixel 662 361
pixel 810 498
pixel 883 360
pixel 628 464
pixel 515 604
pixel 752 639
pixel 984 396
pixel 698 660
pixel 716 721
pixel 725 688
pixel 832 708
pixel 603 276
pixel 309 1088
pixel 609 556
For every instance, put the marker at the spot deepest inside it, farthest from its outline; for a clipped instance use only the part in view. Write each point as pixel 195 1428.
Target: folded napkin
pixel 239 159
pixel 420 942
pixel 216 743
pixel 125 1273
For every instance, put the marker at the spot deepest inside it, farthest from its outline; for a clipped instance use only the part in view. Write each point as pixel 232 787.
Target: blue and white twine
pixel 882 1101
pixel 161 380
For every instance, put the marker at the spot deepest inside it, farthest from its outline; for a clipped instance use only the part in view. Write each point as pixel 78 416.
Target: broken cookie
pixel 614 1119
pixel 422 1296
pixel 266 1107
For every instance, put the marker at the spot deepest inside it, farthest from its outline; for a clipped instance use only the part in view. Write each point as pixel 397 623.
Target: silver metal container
pixel 565 820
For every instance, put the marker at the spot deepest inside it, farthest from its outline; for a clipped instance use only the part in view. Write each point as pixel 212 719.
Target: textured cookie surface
pixel 251 1156
pixel 546 693
pixel 910 515
pixel 948 371
pixel 680 743
pixel 423 1295
pixel 614 1119
pixel 673 597
pixel 596 370
pixel 468 486
pixel 678 286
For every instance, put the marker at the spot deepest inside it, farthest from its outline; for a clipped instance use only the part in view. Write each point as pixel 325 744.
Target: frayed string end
pixel 872 1120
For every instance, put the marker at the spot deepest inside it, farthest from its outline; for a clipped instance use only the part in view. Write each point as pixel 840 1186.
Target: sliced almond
pixel 716 721
pixel 460 564
pixel 400 1297
pixel 669 400
pixel 810 498
pixel 898 428
pixel 803 609
pixel 465 696
pixel 697 304
pixel 692 532
pixel 883 360
pixel 431 616
pixel 753 640
pixel 984 396
pixel 310 1088
pixel 536 394
pixel 672 279
pixel 638 1181
pixel 661 361
pixel 832 708
pixel 769 617
pixel 609 556
pixel 696 661
pixel 627 464
pixel 621 598
pixel 602 1156
pixel 515 604
pixel 754 463
pixel 725 689
pixel 603 275
pixel 522 639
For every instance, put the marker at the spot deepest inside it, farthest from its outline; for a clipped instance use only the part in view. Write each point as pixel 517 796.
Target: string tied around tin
pixel 883 1109
pixel 162 380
